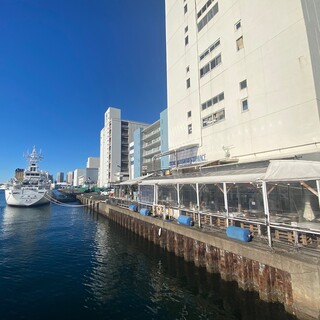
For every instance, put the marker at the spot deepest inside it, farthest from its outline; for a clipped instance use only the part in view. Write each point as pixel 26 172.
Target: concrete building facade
pixel 78 177
pixel 114 147
pixel 70 178
pixel 150 144
pixel 93 162
pixel 60 177
pixel 243 79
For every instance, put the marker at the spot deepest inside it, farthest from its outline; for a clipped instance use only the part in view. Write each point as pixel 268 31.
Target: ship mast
pixel 33 159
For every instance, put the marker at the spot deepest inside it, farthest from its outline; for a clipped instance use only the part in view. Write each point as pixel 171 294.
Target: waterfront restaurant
pixel 277 200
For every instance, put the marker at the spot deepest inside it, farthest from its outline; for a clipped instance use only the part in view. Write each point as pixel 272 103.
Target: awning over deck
pixel 230 176
pixel 292 170
pixel 277 170
pixel 135 180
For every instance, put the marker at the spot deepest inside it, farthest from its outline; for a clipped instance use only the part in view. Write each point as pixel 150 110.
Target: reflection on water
pixel 25 218
pixel 135 277
pixel 68 263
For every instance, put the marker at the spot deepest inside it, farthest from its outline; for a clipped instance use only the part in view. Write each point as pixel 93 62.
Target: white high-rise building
pixel 79 176
pixel 60 177
pixel 243 78
pixel 70 177
pixel 114 147
pixel 93 162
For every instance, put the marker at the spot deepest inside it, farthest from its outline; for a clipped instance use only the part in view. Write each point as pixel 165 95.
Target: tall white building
pixel 243 78
pixel 60 177
pixel 70 177
pixel 93 162
pixel 79 176
pixel 114 147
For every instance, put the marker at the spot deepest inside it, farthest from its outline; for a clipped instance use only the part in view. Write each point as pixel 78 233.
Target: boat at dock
pixel 29 187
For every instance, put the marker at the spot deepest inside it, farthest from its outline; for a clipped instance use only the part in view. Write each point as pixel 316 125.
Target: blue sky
pixel 63 62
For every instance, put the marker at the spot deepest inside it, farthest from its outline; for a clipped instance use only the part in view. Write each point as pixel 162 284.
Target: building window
pixel 213 118
pixel 207 121
pixel 187 69
pixel 188 83
pixel 204 8
pixel 186 40
pixel 237 26
pixel 211 65
pixel 186 29
pixel 240 43
pixel 185 9
pixel 189 128
pixel 213 101
pixel 243 84
pixel 211 13
pixel 210 49
pixel 244 104
pixel 189 114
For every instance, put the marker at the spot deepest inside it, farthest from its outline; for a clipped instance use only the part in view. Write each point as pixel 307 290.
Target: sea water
pixel 66 262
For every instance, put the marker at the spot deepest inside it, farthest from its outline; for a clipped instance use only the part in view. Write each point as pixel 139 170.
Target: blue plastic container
pixel 239 233
pixel 133 207
pixel 186 220
pixel 144 211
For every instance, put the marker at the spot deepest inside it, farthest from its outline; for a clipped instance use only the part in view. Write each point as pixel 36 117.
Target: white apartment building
pixel 70 178
pixel 131 156
pixel 114 147
pixel 93 162
pixel 79 177
pixel 243 78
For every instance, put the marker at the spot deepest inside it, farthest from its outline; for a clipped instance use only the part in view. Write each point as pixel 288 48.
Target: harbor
pixel 278 275
pixel 181 173
pixel 63 262
pixel 281 263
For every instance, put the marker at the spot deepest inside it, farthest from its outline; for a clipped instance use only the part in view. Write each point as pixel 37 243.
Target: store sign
pixel 186 161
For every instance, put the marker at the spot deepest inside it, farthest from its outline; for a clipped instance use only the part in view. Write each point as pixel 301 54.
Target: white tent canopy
pixel 277 170
pixel 135 180
pixel 292 170
pixel 230 176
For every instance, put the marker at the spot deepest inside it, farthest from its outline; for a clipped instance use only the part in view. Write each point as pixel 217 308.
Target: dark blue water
pixel 69 263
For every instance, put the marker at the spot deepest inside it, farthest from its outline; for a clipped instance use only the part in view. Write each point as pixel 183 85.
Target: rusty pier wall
pixel 289 278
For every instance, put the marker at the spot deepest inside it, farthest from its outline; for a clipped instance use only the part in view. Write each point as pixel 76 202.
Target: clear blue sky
pixel 63 62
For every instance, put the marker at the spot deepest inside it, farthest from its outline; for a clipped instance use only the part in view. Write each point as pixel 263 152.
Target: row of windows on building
pixel 208 17
pixel 220 114
pixel 218 98
pixel 217 116
pixel 216 61
pixel 204 8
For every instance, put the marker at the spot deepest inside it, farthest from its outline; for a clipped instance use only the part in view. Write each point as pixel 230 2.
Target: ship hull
pixel 26 197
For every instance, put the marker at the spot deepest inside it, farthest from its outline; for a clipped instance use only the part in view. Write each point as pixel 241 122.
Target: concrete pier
pixel 291 278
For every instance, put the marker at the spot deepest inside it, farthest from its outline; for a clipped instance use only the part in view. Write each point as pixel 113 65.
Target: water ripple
pixel 62 263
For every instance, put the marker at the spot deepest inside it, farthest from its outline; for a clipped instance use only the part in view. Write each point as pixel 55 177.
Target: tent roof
pixel 135 180
pixel 239 175
pixel 292 170
pixel 274 170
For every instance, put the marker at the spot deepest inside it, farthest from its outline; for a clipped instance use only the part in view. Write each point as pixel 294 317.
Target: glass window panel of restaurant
pixel 188 196
pixel 211 197
pixel 293 202
pixel 167 195
pixel 146 193
pixel 246 199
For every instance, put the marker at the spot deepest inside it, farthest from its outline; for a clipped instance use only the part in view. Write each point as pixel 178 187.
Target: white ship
pixel 33 188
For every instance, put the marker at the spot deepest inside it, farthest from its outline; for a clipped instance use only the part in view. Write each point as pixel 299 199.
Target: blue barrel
pixel 133 207
pixel 186 220
pixel 144 211
pixel 239 233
